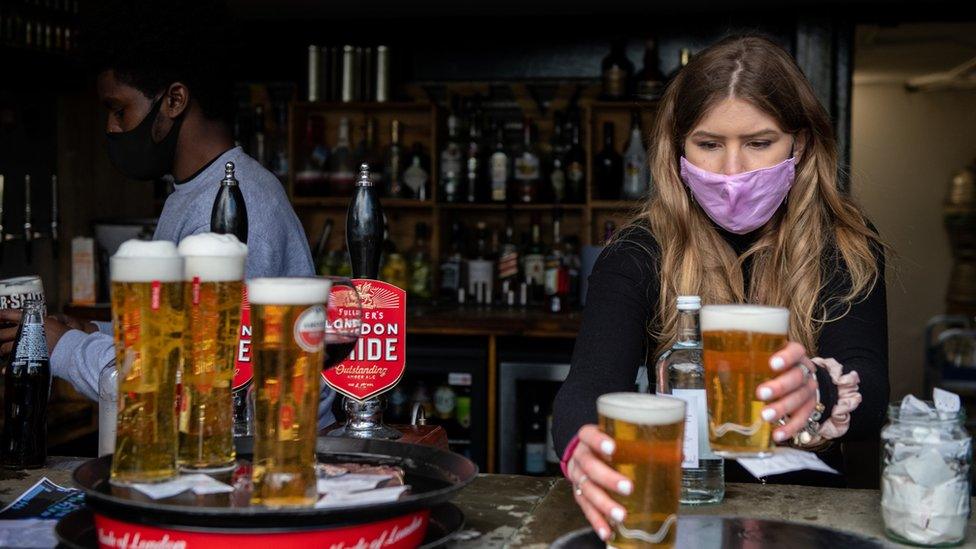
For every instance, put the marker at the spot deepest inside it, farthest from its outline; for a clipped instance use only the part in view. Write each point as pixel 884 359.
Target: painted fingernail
pixel 603 533
pixel 625 487
pixel 618 514
pixel 777 363
pixel 607 447
pixel 779 436
pixel 765 393
pixel 768 414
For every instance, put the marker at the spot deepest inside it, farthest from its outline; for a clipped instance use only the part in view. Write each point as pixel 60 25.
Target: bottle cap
pixel 689 303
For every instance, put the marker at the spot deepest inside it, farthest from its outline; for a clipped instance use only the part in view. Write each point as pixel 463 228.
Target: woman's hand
pixel 793 392
pixel 593 480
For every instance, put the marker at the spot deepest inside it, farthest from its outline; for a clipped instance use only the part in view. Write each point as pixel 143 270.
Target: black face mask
pixel 136 155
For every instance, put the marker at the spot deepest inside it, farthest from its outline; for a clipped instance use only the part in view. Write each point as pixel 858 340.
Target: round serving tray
pixel 707 532
pixel 435 477
pixel 77 529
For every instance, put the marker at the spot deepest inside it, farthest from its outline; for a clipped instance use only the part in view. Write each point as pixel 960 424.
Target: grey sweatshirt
pixel 276 243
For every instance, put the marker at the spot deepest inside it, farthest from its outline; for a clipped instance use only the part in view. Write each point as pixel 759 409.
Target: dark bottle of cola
pixel 229 214
pixel 26 385
pixel 365 227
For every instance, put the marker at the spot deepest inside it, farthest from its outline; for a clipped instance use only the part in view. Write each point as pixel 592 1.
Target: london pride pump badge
pixel 377 359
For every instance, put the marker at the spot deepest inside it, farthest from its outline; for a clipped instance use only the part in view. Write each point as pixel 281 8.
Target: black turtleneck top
pixel 621 305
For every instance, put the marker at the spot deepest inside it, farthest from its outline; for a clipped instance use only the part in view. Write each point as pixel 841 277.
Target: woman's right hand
pixel 593 480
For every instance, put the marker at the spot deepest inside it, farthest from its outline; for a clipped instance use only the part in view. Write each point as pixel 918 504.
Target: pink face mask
pixel 743 202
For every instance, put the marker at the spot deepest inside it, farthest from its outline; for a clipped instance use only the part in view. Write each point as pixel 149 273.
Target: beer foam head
pixel 745 318
pixel 213 257
pixel 147 261
pixel 21 285
pixel 288 291
pixel 641 409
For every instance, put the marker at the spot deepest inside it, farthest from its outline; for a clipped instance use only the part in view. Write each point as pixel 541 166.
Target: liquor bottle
pixel 535 442
pixel 26 387
pixel 534 266
pixel 279 157
pixel 527 167
pixel 575 166
pixel 608 170
pixel 451 169
pixel 311 179
pixel 229 213
pixel 637 172
pixel 481 268
pixel 681 373
pixel 617 71
pixel 473 163
pixel 461 384
pixel 556 277
pixel 445 404
pixel 341 169
pixel 609 228
pixel 451 266
pixel 557 164
pixel 367 153
pixel 422 396
pixel 508 263
pixel 259 141
pixel 650 80
pixel 573 262
pixel 415 177
pixel 684 56
pixel 500 167
pixel 395 269
pixel 365 228
pixel 394 167
pixel 398 413
pixel 420 272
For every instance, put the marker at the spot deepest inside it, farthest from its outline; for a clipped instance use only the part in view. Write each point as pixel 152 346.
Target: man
pixel 164 74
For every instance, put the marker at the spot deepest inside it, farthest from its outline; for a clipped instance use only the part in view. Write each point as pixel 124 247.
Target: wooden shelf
pixel 516 207
pixel 615 204
pixel 483 321
pixel 343 202
pixel 362 106
pixel 628 104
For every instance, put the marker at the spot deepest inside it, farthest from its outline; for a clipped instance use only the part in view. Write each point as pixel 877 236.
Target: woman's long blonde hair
pixel 789 263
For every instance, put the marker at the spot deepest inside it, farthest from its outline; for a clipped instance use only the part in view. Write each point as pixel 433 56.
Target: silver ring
pixel 578 489
pixel 807 374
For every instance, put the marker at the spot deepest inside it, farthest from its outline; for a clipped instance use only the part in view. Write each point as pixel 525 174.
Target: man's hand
pixel 55 326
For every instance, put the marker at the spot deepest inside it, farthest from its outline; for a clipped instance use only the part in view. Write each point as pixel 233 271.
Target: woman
pixel 746 209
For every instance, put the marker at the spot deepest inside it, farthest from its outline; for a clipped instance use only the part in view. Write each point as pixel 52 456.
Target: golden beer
pixel 648 431
pixel 287 345
pixel 148 321
pixel 214 273
pixel 737 343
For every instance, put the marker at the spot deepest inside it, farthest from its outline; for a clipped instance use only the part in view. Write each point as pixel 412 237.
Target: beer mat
pixel 29 520
pixel 351 482
pixel 200 484
pixel 345 499
pixel 784 460
pixel 43 500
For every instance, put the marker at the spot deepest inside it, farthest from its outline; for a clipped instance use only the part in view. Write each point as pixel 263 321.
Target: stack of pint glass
pixel 176 315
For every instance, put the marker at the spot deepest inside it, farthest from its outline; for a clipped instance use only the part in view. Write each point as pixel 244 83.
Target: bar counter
pixel 522 511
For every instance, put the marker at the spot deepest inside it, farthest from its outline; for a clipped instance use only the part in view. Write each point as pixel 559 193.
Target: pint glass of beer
pixel 648 431
pixel 287 350
pixel 737 342
pixel 214 276
pixel 148 321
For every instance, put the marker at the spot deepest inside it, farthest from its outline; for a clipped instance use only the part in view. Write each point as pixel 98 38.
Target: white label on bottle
pixel 535 269
pixel 694 421
pixel 459 378
pixel 527 167
pixel 32 345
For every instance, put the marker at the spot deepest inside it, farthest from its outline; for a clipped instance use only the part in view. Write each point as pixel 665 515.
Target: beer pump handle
pixel 365 227
pixel 54 212
pixel 3 236
pixel 28 228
